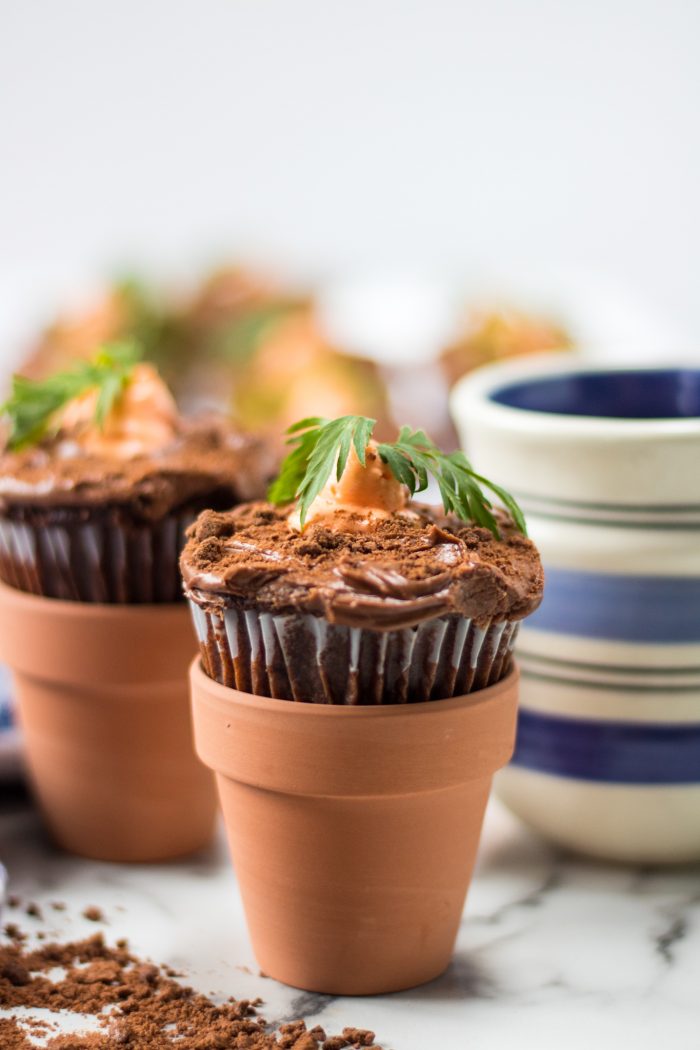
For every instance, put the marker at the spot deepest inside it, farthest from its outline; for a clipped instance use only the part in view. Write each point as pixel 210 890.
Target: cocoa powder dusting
pixel 383 574
pixel 137 1005
pixel 207 455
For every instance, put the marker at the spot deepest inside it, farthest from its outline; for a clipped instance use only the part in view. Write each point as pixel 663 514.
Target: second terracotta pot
pixel 353 830
pixel 102 699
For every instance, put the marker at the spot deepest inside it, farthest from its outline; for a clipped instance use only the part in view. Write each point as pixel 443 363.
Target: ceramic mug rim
pixel 474 393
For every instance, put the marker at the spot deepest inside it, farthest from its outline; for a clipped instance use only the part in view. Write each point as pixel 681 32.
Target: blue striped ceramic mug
pixel 606 464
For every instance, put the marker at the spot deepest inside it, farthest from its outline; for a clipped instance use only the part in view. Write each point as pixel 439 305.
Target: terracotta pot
pixel 102 696
pixel 353 829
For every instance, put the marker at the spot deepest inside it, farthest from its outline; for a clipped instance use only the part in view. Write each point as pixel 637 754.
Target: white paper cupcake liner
pixel 95 561
pixel 305 658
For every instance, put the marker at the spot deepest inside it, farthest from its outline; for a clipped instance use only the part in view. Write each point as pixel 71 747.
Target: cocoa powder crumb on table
pixel 305 1042
pixel 290 1032
pixel 93 913
pixel 35 1025
pixel 11 1035
pixel 13 971
pixel 137 1005
pixel 358 1036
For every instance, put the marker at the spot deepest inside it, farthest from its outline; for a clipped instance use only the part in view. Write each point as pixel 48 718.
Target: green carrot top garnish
pixel 33 403
pixel 322 446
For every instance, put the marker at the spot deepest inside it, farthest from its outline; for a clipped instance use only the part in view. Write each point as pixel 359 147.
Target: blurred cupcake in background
pixel 219 326
pixel 490 335
pixel 100 478
pixel 237 343
pixel 102 475
pixel 294 371
pixel 262 348
pixel 180 333
pixel 127 308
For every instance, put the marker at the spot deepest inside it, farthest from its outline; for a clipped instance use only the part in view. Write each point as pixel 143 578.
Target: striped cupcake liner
pixel 305 658
pixel 95 560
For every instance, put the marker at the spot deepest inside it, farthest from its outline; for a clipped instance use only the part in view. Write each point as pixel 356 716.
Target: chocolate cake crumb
pixel 305 1042
pixel 33 910
pixel 14 933
pixel 93 914
pixel 58 905
pixel 13 901
pixel 137 1005
pixel 13 971
pixel 358 1036
pixel 290 1033
pixel 11 1035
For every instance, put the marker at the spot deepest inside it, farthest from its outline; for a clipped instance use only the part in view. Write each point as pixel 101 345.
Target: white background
pixel 550 145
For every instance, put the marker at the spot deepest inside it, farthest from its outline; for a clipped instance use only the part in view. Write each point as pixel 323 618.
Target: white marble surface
pixel 553 951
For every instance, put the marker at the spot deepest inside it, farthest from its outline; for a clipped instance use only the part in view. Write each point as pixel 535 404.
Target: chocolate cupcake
pixel 356 594
pixel 101 477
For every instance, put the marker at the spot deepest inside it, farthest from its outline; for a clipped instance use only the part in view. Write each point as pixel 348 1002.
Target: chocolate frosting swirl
pixel 393 573
pixel 207 455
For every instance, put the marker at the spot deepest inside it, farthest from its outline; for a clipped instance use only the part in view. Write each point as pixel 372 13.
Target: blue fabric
pixel 6 720
pixel 5 715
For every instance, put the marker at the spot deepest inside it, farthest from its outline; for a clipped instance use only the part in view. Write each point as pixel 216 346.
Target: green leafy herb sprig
pixel 32 405
pixel 323 445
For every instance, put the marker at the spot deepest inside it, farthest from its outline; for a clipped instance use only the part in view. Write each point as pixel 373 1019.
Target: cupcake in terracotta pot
pixel 98 482
pixel 101 477
pixel 355 694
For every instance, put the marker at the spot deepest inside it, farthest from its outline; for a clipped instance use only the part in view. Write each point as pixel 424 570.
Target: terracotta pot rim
pixel 266 703
pixel 336 750
pixel 12 595
pixel 94 645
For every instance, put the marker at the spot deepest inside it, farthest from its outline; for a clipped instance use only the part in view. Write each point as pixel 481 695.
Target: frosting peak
pixel 370 490
pixel 142 420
